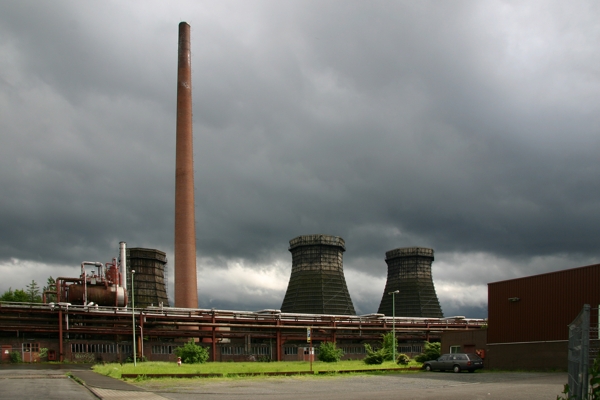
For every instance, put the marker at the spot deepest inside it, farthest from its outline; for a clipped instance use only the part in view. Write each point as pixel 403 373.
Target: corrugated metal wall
pixel 546 304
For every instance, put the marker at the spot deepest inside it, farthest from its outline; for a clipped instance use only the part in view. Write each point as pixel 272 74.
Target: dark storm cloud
pixel 467 127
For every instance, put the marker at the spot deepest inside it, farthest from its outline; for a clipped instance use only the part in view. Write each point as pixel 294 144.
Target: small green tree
pixel 389 343
pixel 431 352
pixel 328 352
pixel 33 292
pixel 50 285
pixel 191 353
pixel 9 295
pixel 21 296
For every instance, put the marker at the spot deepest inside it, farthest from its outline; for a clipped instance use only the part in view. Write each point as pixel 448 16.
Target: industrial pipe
pixel 123 265
pixel 83 276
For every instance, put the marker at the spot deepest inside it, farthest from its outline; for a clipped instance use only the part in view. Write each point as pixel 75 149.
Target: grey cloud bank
pixel 467 127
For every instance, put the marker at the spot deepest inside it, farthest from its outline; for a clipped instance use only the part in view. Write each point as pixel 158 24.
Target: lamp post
pixel 393 322
pixel 133 316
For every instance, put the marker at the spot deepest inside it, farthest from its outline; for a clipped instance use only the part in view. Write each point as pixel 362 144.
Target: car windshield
pixel 474 357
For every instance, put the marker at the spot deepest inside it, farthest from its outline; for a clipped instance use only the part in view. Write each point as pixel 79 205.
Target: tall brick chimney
pixel 186 285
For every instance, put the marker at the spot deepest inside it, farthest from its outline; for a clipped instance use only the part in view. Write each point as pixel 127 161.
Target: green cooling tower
pixel 317 284
pixel 409 272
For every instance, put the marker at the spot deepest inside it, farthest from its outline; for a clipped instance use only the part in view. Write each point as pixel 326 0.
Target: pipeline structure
pixel 65 329
pixel 105 286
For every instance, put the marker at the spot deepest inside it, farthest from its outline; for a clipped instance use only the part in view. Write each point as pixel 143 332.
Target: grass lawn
pixel 233 368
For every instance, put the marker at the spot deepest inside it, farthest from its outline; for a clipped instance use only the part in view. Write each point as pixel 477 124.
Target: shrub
pixel 402 359
pixel 432 352
pixel 191 353
pixel 15 357
pixel 328 352
pixel 375 356
pixel 43 352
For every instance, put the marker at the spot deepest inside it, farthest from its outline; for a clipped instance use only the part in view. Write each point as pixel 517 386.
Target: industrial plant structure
pixel 317 283
pixel 92 320
pixel 98 284
pixel 409 276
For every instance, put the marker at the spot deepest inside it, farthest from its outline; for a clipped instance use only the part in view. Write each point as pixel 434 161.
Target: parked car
pixel 455 362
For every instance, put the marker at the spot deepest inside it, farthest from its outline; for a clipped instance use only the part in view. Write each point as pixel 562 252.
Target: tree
pixel 431 352
pixel 33 292
pixel 191 353
pixel 328 352
pixel 389 343
pixel 50 285
pixel 18 296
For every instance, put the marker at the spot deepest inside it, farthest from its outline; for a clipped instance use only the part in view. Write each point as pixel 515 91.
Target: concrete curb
pixel 285 373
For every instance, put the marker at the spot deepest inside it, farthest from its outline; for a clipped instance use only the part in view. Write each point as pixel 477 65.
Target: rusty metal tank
pixel 98 294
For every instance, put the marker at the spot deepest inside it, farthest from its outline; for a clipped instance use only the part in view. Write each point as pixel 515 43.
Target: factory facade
pixel 529 317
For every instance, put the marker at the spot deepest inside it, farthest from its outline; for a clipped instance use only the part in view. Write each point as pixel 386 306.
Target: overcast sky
pixel 471 127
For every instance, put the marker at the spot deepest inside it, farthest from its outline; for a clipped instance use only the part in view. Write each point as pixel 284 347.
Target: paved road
pixel 40 384
pixel 53 384
pixel 437 385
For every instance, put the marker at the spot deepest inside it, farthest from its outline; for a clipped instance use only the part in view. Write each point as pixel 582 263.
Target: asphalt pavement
pixel 36 382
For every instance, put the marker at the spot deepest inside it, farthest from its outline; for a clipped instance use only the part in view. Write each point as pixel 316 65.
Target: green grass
pixel 234 368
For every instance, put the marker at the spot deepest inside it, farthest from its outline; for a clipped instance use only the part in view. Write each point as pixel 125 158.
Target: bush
pixel 375 356
pixel 432 352
pixel 15 357
pixel 191 353
pixel 402 359
pixel 389 342
pixel 328 352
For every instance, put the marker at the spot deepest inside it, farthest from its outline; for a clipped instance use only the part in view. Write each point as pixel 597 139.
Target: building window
pixel 163 349
pixel 93 348
pixel 261 351
pixel 455 349
pixel 410 348
pixel 31 347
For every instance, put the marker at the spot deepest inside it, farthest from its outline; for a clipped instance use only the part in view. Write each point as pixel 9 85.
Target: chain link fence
pixel 584 345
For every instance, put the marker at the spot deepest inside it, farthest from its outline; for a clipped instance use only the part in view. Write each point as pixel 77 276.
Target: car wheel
pixel 456 369
pixel 427 367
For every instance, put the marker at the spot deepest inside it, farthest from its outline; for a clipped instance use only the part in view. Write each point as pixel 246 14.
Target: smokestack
pixel 186 287
pixel 123 265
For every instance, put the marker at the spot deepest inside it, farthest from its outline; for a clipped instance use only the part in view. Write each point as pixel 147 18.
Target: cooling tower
pixel 150 284
pixel 409 272
pixel 186 285
pixel 317 284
